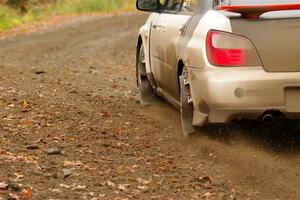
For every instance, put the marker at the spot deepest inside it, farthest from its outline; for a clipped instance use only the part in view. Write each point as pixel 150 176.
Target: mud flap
pixel 147 95
pixel 186 110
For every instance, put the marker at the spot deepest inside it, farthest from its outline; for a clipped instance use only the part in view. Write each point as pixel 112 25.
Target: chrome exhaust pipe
pixel 268 118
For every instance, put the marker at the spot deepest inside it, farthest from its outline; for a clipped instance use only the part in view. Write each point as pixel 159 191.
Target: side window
pixel 173 5
pixel 149 4
pixel 217 3
pixel 190 5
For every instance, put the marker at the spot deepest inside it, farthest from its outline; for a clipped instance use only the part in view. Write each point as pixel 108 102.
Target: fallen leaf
pixel 133 168
pixel 27 194
pixel 26 122
pixel 122 187
pixel 204 179
pixel 117 131
pixel 167 198
pixel 65 186
pixel 106 114
pixel 25 106
pixel 207 195
pixel 142 187
pixel 56 190
pixel 13 196
pixel 3 186
pixel 19 176
pixel 80 187
pixel 102 195
pixel 143 181
pixel 73 164
pixel 110 184
pixel 195 196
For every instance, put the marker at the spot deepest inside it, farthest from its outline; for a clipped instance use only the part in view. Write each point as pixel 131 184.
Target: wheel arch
pixel 138 47
pixel 180 66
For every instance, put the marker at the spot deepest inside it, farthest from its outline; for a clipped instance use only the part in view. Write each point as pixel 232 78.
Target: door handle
pixel 157 26
pixel 182 29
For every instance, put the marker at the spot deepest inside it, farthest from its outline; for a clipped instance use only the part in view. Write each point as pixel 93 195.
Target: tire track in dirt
pixel 261 160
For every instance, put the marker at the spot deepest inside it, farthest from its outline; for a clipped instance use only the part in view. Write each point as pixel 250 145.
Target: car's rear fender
pixel 193 54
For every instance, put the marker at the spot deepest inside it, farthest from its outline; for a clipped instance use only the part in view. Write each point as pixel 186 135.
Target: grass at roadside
pixel 11 17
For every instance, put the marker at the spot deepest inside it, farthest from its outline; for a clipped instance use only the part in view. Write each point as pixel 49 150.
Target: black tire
pixel 146 92
pixel 186 109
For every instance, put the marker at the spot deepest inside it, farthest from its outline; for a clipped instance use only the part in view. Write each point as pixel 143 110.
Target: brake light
pixel 229 50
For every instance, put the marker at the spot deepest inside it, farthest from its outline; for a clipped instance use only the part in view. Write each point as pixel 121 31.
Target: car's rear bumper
pixel 225 94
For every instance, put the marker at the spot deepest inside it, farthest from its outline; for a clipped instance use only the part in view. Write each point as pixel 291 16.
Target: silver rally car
pixel 219 60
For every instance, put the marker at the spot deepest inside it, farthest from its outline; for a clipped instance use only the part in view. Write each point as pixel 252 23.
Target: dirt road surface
pixel 71 127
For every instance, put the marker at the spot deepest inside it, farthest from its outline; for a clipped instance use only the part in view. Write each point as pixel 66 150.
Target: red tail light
pixel 229 50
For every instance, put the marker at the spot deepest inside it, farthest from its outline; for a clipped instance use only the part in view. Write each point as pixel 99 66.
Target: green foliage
pixel 16 12
pixel 79 6
pixel 14 2
pixel 9 18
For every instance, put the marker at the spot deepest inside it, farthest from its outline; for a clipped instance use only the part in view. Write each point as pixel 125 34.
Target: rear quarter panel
pixel 194 53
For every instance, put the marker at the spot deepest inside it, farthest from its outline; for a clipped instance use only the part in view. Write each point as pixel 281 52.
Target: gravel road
pixel 71 127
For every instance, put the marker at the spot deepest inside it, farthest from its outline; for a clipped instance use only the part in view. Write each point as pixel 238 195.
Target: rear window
pixel 254 2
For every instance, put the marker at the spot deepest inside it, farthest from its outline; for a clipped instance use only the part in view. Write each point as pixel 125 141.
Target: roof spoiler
pixel 255 11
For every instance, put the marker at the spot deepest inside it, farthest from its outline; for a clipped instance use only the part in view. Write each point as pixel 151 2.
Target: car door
pixel 157 28
pixel 176 25
pixel 157 40
pixel 167 30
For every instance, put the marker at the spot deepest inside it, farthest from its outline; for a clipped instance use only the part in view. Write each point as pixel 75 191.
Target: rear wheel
pixel 146 92
pixel 186 107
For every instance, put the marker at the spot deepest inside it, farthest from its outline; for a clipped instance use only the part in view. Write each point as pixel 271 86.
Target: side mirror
pixel 148 5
